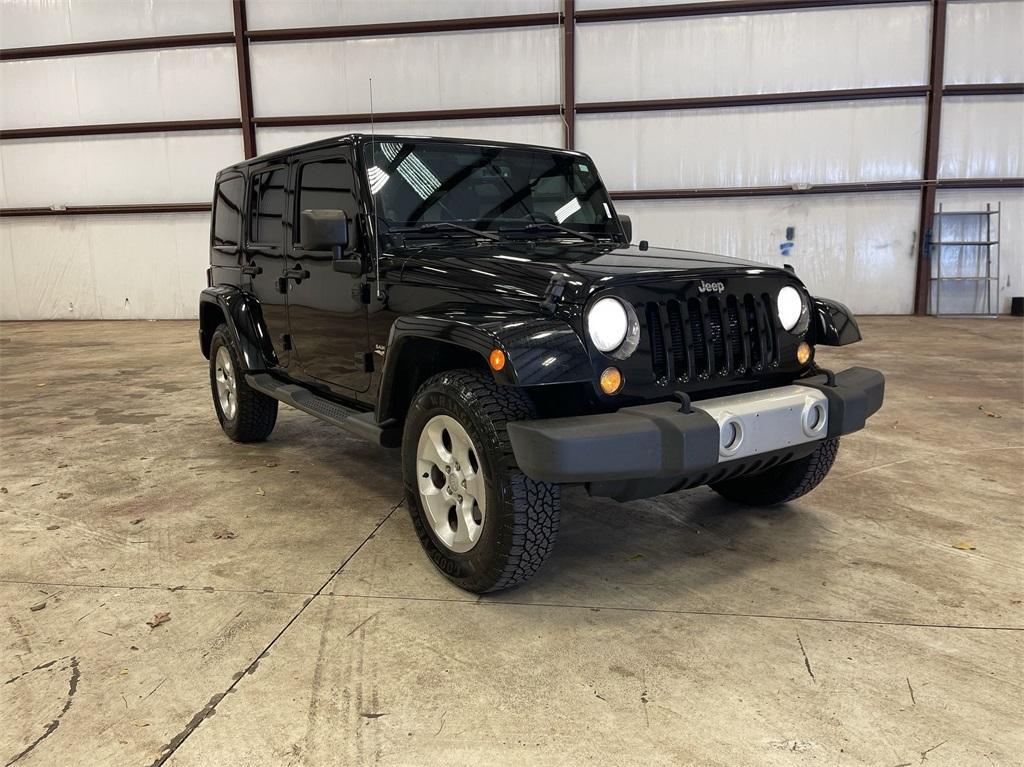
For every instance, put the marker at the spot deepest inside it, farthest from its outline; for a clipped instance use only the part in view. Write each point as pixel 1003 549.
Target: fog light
pixel 497 359
pixel 732 433
pixel 611 380
pixel 803 353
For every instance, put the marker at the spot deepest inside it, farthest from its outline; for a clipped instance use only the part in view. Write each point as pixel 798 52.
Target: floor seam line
pixel 173 589
pixel 668 611
pixel 177 741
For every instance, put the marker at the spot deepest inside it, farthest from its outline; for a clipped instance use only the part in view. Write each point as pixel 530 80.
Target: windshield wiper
pixel 538 226
pixel 441 226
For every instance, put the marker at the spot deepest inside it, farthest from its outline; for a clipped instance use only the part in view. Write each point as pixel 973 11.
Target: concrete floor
pixel 878 621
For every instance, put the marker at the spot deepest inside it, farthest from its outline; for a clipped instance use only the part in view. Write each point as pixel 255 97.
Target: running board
pixel 357 422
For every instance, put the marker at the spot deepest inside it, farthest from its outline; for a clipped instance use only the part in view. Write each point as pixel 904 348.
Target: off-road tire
pixel 783 483
pixel 255 412
pixel 521 523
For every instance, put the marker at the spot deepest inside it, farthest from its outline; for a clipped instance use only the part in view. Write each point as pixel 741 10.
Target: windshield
pixel 511 191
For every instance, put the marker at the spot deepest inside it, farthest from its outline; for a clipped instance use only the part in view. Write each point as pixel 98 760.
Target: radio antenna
pixel 373 200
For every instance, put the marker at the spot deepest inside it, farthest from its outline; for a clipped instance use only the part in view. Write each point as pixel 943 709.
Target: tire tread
pixel 783 483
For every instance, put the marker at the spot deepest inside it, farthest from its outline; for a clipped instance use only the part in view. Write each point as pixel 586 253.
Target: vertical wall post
pixel 244 78
pixel 569 71
pixel 936 75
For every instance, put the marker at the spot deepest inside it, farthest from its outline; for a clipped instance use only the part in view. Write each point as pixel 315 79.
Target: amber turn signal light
pixel 803 353
pixel 611 380
pixel 497 359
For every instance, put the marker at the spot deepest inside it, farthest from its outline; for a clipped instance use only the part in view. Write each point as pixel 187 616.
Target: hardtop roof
pixel 359 138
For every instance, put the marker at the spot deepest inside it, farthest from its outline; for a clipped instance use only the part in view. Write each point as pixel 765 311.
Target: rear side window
pixel 227 212
pixel 266 207
pixel 327 185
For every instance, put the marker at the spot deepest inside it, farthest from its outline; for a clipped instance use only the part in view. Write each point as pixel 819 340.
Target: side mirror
pixel 627 227
pixel 323 229
pixel 328 230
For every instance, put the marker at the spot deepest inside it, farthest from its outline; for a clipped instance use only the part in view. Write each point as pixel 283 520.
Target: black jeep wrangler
pixel 479 306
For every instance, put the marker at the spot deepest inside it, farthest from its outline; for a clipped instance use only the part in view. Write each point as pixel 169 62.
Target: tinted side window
pixel 266 207
pixel 227 211
pixel 327 185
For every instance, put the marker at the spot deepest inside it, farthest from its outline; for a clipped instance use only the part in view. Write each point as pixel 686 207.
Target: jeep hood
pixel 524 272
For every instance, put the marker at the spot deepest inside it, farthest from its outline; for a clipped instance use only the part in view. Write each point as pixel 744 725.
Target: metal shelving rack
pixel 965 268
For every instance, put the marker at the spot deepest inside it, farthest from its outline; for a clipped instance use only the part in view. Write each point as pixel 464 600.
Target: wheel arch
pixel 539 350
pixel 833 323
pixel 241 312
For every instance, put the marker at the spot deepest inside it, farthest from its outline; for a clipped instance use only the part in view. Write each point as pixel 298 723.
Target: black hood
pixel 527 270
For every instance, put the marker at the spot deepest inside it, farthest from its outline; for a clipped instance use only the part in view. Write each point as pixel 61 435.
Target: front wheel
pixel 484 524
pixel 783 483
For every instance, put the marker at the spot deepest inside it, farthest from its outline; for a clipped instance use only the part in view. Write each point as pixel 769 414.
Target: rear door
pixel 327 316
pixel 263 252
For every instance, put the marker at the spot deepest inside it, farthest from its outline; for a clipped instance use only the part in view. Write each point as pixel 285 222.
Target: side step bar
pixel 356 422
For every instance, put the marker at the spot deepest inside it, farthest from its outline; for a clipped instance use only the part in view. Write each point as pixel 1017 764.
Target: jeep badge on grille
pixel 711 287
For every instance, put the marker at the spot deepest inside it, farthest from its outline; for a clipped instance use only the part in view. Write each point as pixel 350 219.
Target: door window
pixel 227 212
pixel 327 184
pixel 266 207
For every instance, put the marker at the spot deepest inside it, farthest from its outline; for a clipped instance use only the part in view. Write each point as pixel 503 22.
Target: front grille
pixel 711 337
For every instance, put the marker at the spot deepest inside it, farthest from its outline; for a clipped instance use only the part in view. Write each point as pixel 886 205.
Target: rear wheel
pixel 783 483
pixel 245 414
pixel 483 523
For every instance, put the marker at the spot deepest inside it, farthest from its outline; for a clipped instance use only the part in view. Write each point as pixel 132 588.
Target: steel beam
pixel 108 129
pixel 116 46
pixel 933 123
pixel 754 99
pixel 722 8
pixel 984 89
pixel 481 113
pixel 569 72
pixel 244 78
pixel 867 187
pixel 100 210
pixel 392 28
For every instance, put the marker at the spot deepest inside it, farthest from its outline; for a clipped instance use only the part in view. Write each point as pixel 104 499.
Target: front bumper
pixel 651 449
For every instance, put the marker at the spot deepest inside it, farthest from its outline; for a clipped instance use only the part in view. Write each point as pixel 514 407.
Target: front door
pixel 263 253
pixel 326 311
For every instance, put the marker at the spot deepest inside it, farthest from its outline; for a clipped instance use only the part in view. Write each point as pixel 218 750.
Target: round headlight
pixel 613 327
pixel 791 309
pixel 607 323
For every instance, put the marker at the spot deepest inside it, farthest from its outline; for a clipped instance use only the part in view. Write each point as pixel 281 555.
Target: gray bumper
pixel 659 442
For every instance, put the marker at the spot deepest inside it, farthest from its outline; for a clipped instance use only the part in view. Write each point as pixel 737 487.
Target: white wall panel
pixel 982 137
pixel 757 53
pixel 275 14
pixel 1011 235
pixel 53 22
pixel 544 131
pixel 103 267
pixel 983 42
pixel 858 249
pixel 102 170
pixel 173 84
pixel 452 70
pixel 756 146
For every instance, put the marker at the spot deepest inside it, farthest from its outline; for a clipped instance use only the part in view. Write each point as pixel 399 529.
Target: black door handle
pixel 251 269
pixel 298 274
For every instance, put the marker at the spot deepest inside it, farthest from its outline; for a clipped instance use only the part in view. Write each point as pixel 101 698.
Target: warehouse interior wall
pixel 858 247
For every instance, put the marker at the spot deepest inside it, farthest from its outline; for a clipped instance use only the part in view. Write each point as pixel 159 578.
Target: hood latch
pixel 554 291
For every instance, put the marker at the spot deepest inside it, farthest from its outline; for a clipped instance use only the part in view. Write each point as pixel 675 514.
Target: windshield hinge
pixel 553 293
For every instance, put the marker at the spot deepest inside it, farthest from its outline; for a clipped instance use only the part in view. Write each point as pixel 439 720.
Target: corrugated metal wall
pixel 857 247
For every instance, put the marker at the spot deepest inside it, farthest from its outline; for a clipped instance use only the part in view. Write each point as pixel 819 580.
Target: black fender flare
pixel 539 349
pixel 243 315
pixel 833 323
